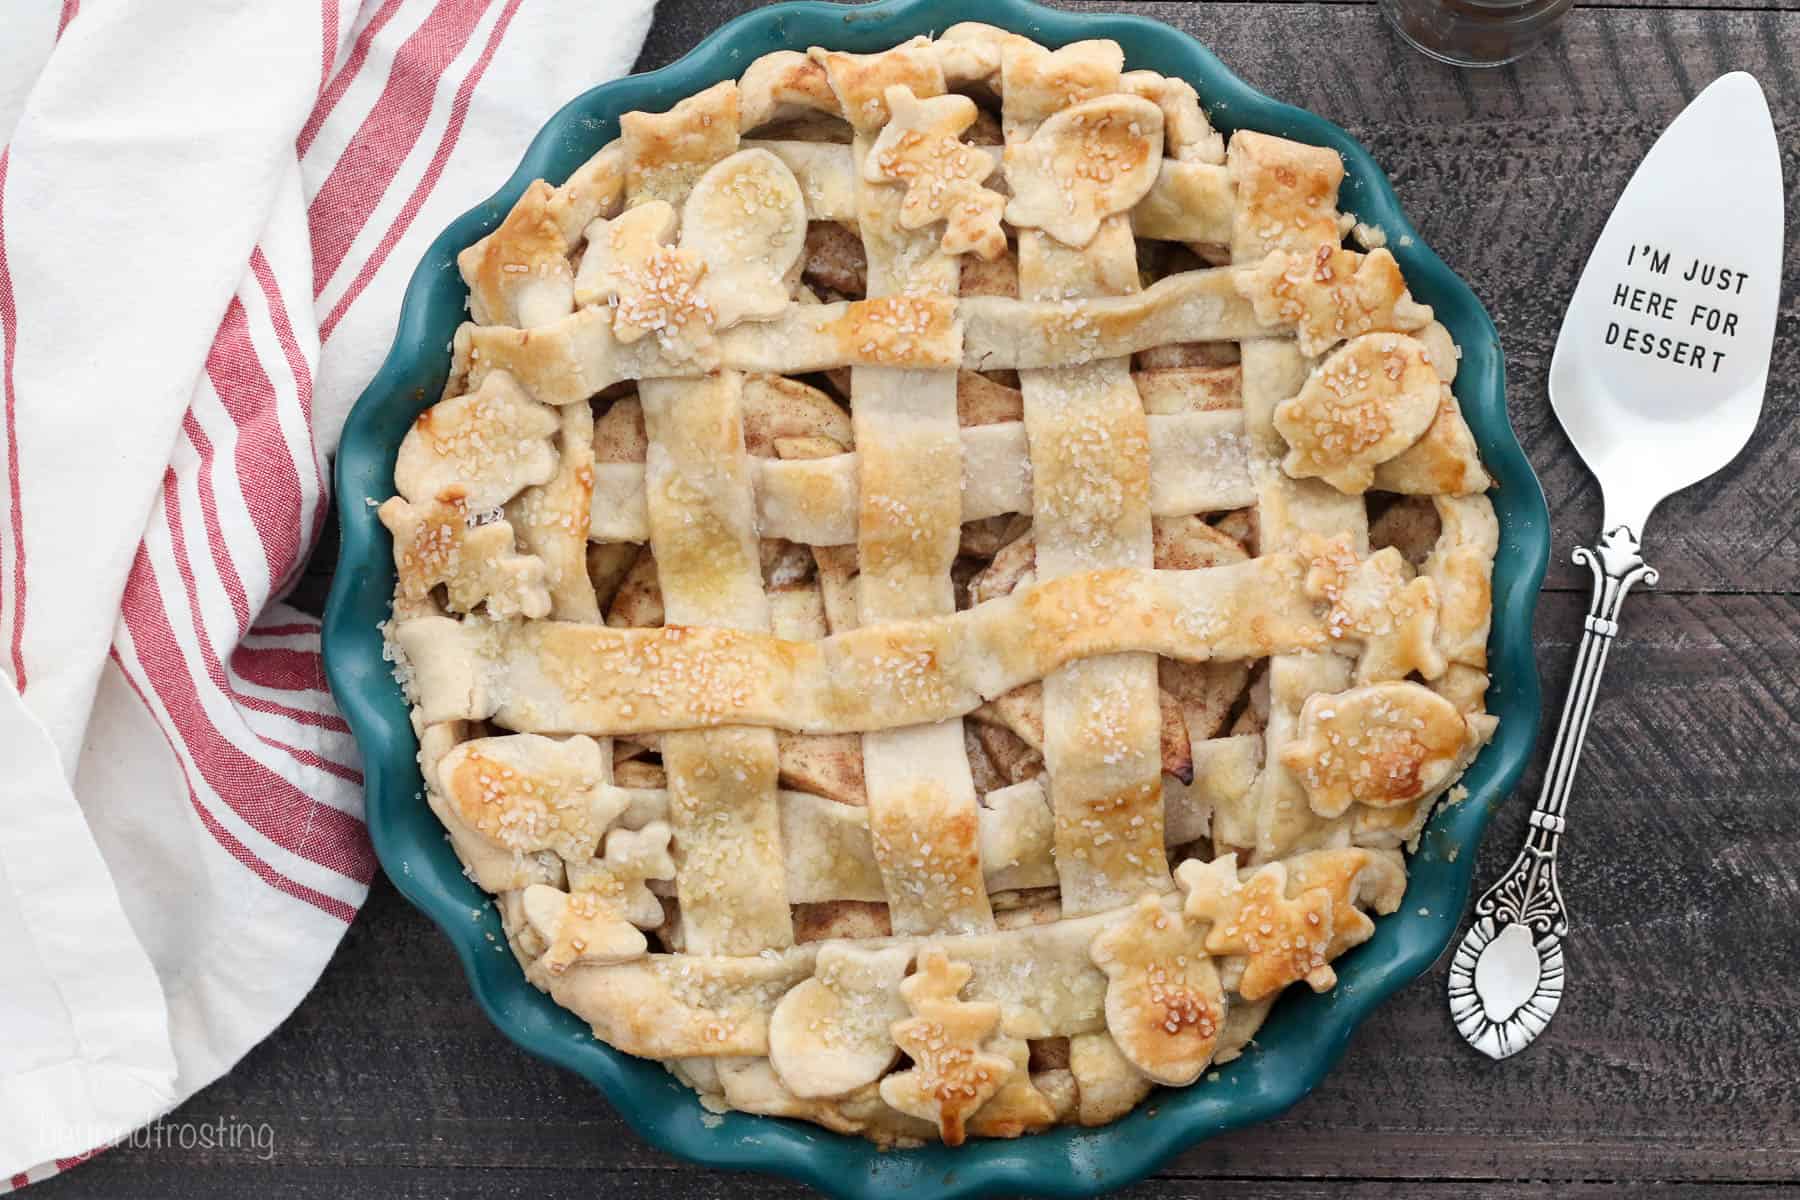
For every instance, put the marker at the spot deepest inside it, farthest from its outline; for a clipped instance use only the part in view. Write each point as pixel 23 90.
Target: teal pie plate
pixel 1306 1033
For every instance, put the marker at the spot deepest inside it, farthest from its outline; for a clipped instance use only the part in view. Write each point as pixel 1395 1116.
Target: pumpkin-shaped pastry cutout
pixel 831 1034
pixel 1367 402
pixel 1383 745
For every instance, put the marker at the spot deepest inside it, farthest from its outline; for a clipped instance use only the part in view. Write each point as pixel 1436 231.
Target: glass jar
pixel 1474 33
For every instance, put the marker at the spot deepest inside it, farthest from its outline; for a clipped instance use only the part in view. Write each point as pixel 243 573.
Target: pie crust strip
pixel 922 810
pixel 1189 202
pixel 575 357
pixel 1275 183
pixel 1199 463
pixel 702 521
pixel 671 1006
pixel 1090 459
pixel 560 677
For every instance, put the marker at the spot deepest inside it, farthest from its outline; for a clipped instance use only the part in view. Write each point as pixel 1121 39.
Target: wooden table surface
pixel 1673 1067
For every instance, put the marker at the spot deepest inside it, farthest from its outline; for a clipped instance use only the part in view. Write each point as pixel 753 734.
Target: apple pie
pixel 939 585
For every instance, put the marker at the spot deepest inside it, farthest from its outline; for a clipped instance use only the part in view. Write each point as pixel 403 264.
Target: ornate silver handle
pixel 1507 976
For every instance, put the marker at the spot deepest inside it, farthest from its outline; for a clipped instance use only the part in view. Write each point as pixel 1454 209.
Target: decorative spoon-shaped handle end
pixel 1504 986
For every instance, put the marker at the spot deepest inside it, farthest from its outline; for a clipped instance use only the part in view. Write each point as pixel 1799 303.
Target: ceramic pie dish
pixel 1291 1054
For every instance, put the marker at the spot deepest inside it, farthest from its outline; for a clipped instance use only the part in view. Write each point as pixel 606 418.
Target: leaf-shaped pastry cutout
pixel 1371 399
pixel 1164 1003
pixel 831 1034
pixel 921 147
pixel 746 221
pixel 1282 939
pixel 1084 164
pixel 1357 878
pixel 1330 294
pixel 599 920
pixel 477 564
pixel 1382 745
pixel 952 1074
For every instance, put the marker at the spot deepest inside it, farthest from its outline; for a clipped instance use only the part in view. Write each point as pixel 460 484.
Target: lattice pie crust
pixel 937 587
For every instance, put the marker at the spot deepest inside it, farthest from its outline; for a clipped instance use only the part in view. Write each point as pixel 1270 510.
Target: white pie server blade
pixel 1659 370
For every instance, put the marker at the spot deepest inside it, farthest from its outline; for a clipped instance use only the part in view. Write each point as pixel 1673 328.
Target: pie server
pixel 1658 380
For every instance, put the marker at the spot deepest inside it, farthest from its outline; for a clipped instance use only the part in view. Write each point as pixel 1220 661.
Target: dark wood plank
pixel 446 1182
pixel 1672 1058
pixel 679 26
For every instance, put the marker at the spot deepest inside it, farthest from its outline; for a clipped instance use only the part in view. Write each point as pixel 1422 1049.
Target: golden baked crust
pixel 889 597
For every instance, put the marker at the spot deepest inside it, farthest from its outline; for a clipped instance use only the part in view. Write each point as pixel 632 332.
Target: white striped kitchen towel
pixel 208 213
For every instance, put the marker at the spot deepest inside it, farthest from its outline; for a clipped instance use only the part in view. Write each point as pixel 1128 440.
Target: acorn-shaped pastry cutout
pixel 741 233
pixel 526 793
pixel 1164 1004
